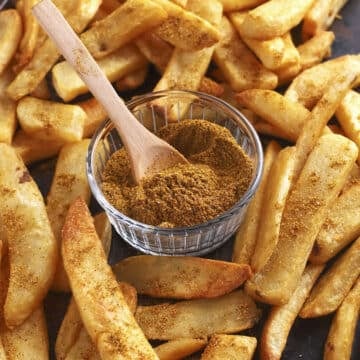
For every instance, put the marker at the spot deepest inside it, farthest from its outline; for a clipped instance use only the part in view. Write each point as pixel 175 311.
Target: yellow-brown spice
pixel 218 175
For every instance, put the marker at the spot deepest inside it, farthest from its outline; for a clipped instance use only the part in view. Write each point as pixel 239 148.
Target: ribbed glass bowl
pixel 155 110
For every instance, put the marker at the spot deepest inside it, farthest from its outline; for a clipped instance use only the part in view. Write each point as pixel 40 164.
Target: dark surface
pixel 307 337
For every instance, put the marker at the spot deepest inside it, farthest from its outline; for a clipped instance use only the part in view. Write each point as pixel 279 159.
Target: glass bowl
pixel 155 110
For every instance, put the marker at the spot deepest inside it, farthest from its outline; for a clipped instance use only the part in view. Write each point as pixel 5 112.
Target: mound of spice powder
pixel 218 175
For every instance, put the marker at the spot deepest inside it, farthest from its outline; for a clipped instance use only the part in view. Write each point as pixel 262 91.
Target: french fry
pixel 240 67
pixel 224 347
pixel 30 37
pixel 264 128
pixel 133 80
pixel 106 36
pixel 104 231
pixel 111 5
pixel 334 285
pixel 348 115
pixel 69 182
pixel 211 87
pixel 10 35
pixel 68 83
pixel 320 16
pixel 313 51
pixel 236 5
pixel 104 312
pixel 42 91
pixel 341 335
pixel 229 314
pixel 275 194
pixel 281 318
pixel 32 150
pixel 31 243
pixel 51 121
pixel 274 18
pixel 319 183
pixel 181 3
pixel 47 54
pixel 287 74
pixel 341 226
pixel 246 236
pixel 179 348
pixel 172 277
pixel 83 348
pixel 308 87
pixel 8 122
pixel 196 33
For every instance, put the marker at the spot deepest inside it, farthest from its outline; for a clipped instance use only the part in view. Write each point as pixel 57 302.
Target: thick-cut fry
pixel 334 285
pixel 225 347
pixel 275 194
pixel 211 87
pixel 279 111
pixel 320 181
pixel 104 231
pixel 240 67
pixel 235 5
pixel 47 54
pixel 313 51
pixel 132 80
pixel 32 246
pixel 348 115
pixel 274 18
pixel 196 33
pixel 111 5
pixel 341 226
pixel 229 314
pixel 103 309
pixel 69 182
pixel 320 16
pixel 179 348
pixel 281 318
pixel 135 17
pixel 288 73
pixel 51 121
pixel 308 87
pixel 32 150
pixel 83 348
pixel 173 277
pixel 246 236
pixel 10 35
pixel 42 91
pixel 341 335
pixel 29 341
pixel 68 83
pixel 7 109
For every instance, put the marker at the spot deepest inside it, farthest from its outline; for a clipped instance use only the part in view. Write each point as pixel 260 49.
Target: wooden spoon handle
pixel 80 59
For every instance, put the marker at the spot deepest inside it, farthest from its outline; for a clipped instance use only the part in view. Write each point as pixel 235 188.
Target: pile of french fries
pixel 304 214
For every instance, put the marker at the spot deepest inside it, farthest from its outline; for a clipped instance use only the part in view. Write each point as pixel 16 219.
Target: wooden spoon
pixel 148 154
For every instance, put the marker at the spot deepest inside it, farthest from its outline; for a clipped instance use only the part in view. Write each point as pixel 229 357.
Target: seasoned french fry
pixel 341 226
pixel 42 91
pixel 281 318
pixel 10 35
pixel 179 348
pixel 181 3
pixel 83 348
pixel 288 73
pixel 47 54
pixel 8 121
pixel 229 314
pixel 320 181
pixel 274 18
pixel 313 51
pixel 334 285
pixel 32 150
pixel 341 335
pixel 211 87
pixel 246 236
pixel 68 83
pixel 264 128
pixel 172 277
pixel 224 347
pixel 103 229
pixel 106 36
pixel 31 243
pixel 51 121
pixel 196 33
pixel 30 37
pixel 69 183
pixel 320 16
pixel 101 304
pixel 308 87
pixel 240 67
pixel 348 115
pixel 133 80
pixel 111 5
pixel 235 5
pixel 275 194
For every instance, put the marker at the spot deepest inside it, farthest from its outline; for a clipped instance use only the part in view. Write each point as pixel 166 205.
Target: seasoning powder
pixel 218 175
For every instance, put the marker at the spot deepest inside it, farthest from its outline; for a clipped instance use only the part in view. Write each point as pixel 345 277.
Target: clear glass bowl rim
pixel 141 99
